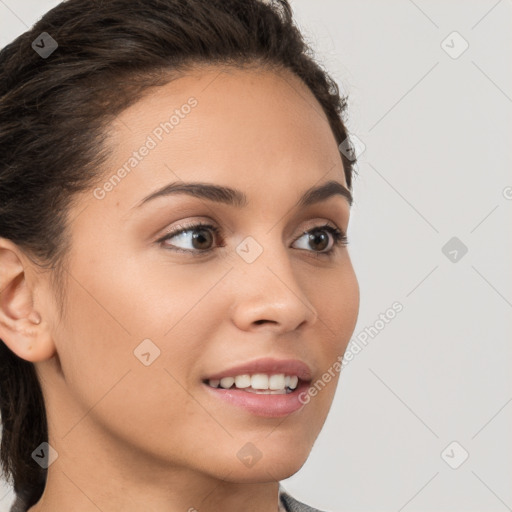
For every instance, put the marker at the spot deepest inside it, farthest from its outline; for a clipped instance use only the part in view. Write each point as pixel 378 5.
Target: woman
pixel 175 280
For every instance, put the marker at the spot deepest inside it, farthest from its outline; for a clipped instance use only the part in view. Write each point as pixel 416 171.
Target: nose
pixel 269 297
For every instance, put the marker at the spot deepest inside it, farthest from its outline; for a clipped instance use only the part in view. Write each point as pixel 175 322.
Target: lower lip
pixel 270 406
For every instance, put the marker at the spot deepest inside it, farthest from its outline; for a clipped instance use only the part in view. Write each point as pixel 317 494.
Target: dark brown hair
pixel 54 113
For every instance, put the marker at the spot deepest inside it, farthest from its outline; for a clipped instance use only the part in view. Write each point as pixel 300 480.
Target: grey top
pixel 290 504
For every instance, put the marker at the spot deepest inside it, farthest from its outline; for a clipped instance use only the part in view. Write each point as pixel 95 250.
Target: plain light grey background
pixel 422 416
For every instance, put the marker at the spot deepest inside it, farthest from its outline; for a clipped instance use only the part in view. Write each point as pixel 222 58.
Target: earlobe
pixel 22 328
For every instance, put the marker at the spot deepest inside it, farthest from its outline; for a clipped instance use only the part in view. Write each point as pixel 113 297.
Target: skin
pixel 131 437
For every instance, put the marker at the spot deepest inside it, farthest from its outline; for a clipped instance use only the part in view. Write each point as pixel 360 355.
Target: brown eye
pixel 201 241
pixel 319 239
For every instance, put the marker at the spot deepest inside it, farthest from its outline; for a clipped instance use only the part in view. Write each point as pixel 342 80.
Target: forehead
pixel 253 129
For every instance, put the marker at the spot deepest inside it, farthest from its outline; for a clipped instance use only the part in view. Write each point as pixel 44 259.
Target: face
pixel 151 314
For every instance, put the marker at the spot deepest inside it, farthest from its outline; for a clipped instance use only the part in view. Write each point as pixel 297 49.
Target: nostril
pixel 264 321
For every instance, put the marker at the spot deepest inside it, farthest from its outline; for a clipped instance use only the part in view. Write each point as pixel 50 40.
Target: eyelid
pixel 176 229
pixel 319 221
pixel 206 222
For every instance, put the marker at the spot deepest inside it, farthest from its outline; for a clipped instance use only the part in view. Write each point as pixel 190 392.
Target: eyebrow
pixel 236 198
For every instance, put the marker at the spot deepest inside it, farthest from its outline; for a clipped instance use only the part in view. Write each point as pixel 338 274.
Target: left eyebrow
pixel 238 199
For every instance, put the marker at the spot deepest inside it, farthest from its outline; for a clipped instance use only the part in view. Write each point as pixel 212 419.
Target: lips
pixel 268 366
pixel 259 403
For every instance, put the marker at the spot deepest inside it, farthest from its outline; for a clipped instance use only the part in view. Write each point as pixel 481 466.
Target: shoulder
pixel 293 505
pixel 26 497
pixel 19 505
pixel 29 494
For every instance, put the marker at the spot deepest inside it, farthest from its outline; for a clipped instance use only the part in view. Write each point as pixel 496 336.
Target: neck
pixel 67 490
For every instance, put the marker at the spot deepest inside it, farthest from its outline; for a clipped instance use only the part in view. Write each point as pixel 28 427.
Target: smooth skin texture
pixel 131 437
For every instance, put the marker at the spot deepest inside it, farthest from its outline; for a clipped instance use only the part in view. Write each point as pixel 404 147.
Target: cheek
pixel 111 386
pixel 154 296
pixel 336 300
pixel 348 299
pixel 121 319
pixel 335 296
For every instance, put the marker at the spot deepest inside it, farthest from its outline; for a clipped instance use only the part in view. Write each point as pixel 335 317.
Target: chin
pixel 268 460
pixel 263 472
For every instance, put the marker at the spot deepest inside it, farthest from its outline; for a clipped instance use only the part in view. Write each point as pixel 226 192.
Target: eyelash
pixel 339 237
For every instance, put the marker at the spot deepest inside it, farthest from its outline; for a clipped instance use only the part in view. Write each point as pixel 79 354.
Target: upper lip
pixel 269 366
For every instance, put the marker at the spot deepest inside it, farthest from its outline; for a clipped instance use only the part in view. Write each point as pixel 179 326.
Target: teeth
pixel 259 381
pixel 275 384
pixel 266 391
pixel 227 382
pixel 276 381
pixel 242 381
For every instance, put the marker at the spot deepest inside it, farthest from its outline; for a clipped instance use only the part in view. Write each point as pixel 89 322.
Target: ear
pixel 22 327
